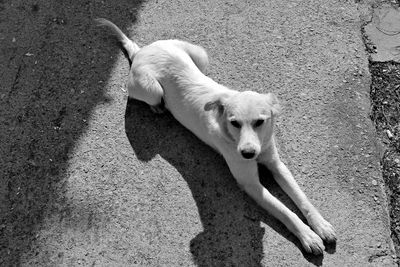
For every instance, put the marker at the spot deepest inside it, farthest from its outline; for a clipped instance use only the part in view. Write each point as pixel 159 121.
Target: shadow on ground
pixel 232 233
pixel 52 64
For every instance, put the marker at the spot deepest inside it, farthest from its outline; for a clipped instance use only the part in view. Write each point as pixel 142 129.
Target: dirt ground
pixel 385 97
pixel 89 178
pixel 385 113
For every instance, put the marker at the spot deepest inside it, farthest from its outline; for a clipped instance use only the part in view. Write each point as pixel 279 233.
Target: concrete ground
pixel 89 178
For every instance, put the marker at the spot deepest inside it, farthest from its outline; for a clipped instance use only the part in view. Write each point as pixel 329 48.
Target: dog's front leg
pixel 246 174
pixel 287 182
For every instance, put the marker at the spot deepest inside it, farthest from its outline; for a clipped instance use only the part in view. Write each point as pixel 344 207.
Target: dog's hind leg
pixel 197 54
pixel 146 88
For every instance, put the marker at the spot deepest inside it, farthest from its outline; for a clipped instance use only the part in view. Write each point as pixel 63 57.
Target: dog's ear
pixel 273 102
pixel 214 105
pixel 218 104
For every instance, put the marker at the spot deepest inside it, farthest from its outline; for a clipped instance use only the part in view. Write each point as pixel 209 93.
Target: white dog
pixel 239 125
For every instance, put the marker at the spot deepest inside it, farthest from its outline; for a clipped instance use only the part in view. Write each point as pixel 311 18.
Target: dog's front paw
pixel 323 228
pixel 311 242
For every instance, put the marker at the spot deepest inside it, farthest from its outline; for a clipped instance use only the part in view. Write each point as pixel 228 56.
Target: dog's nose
pixel 248 153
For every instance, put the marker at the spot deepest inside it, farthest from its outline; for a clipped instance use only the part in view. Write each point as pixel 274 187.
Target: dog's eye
pixel 258 123
pixel 235 124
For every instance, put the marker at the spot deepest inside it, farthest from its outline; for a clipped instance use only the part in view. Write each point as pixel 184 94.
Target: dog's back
pixel 171 57
pixel 171 72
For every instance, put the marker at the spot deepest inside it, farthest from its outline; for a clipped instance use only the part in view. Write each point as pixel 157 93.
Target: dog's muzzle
pixel 248 153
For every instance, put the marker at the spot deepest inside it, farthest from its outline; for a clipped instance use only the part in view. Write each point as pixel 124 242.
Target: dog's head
pixel 246 119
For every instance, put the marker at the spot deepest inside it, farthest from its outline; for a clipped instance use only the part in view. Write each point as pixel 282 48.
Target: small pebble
pixel 389 134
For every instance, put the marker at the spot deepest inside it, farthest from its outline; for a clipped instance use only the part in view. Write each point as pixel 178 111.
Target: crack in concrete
pixel 381 36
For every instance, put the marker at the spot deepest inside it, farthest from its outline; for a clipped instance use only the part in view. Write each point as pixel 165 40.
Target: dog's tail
pixel 130 47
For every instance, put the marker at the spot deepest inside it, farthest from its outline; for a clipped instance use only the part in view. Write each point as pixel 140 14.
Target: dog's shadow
pixel 231 220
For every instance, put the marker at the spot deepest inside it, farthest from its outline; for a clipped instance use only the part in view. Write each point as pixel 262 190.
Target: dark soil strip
pixel 385 113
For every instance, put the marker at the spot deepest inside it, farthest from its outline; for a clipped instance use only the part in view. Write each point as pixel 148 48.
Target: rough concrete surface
pixel 89 178
pixel 384 32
